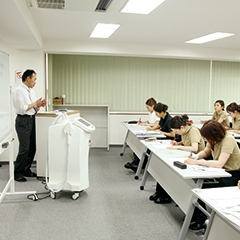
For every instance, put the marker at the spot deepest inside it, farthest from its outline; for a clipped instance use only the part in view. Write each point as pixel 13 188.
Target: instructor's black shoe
pixel 32 174
pixel 21 179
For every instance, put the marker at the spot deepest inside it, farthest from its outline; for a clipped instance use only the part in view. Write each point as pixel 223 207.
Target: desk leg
pixel 186 223
pixel 189 214
pixel 145 175
pixel 124 144
pixel 209 225
pixel 140 163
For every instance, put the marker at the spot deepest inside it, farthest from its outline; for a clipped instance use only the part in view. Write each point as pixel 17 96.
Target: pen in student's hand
pixel 174 140
pixel 191 152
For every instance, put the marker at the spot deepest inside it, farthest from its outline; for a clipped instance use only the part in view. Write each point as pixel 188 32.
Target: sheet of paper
pixel 223 193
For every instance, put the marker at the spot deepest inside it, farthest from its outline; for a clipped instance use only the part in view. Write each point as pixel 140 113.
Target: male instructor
pixel 26 106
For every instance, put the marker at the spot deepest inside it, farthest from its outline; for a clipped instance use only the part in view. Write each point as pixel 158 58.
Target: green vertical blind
pixel 226 82
pixel 125 83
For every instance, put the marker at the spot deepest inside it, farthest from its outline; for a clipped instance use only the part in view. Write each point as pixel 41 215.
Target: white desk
pixel 219 226
pixel 199 126
pixel 132 139
pixel 177 182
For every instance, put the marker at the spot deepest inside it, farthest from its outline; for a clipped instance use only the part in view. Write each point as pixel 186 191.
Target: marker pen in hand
pixel 191 153
pixel 174 141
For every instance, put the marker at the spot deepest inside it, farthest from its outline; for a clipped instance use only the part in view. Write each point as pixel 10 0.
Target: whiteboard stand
pixel 11 183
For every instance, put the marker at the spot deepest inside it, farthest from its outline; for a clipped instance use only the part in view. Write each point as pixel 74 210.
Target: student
pixel 153 120
pixel 220 115
pixel 191 137
pixel 191 140
pixel 234 111
pixel 225 154
pixel 164 124
pixel 161 196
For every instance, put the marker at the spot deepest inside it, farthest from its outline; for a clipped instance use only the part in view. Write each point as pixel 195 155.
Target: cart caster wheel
pixel 121 154
pixel 53 195
pixel 75 196
pixel 141 187
pixel 136 177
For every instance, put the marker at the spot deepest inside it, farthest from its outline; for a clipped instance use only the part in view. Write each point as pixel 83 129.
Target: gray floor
pixel 112 208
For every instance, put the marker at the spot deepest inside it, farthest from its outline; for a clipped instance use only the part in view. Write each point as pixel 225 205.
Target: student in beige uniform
pixel 191 137
pixel 234 111
pixel 220 115
pixel 225 154
pixel 191 140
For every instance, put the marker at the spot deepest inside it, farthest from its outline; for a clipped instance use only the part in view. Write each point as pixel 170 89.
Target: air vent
pixel 51 4
pixel 103 5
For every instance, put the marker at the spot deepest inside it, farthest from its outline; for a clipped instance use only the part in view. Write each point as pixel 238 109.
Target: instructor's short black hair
pixel 27 73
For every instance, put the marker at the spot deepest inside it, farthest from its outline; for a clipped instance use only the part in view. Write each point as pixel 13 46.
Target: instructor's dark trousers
pixel 25 128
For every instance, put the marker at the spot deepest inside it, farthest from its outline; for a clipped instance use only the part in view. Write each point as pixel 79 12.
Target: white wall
pixel 22 60
pixel 139 50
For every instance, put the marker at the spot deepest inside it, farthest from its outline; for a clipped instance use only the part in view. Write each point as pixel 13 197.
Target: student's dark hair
pixel 232 107
pixel 178 121
pixel 151 102
pixel 213 131
pixel 27 73
pixel 160 107
pixel 221 103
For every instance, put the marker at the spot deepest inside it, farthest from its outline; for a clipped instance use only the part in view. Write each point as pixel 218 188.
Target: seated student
pixel 225 154
pixel 164 124
pixel 220 115
pixel 191 137
pixel 234 111
pixel 153 119
pixel 161 196
pixel 191 140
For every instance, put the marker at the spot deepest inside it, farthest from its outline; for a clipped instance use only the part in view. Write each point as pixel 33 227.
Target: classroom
pixel 107 81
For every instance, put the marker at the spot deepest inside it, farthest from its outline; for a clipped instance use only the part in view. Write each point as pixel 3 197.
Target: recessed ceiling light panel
pixel 103 30
pixel 141 6
pixel 210 37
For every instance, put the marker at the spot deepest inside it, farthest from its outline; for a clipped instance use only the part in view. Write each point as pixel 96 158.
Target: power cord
pixel 35 196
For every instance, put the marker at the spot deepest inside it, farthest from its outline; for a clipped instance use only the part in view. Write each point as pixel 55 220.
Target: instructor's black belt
pixel 26 116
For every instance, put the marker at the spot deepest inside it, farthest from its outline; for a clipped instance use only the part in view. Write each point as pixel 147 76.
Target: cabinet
pixel 98 115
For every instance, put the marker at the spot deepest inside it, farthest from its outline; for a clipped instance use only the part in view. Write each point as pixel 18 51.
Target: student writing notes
pixel 225 154
pixel 164 124
pixel 234 111
pixel 220 115
pixel 191 137
pixel 153 119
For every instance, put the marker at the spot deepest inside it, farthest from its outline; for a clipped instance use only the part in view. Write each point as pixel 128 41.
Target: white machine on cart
pixel 68 154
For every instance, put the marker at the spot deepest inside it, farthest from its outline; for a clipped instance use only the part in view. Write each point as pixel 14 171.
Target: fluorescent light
pixel 103 30
pixel 210 37
pixel 141 6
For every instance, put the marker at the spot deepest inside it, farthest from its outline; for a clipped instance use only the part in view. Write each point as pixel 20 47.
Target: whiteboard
pixel 5 102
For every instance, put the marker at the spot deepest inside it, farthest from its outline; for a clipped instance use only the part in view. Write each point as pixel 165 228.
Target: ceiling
pixel 23 26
